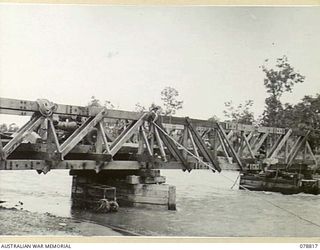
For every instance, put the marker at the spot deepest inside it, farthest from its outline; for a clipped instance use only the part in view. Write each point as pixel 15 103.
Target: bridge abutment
pixel 143 188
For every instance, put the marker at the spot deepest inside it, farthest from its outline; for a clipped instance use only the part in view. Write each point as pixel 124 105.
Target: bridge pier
pixel 144 188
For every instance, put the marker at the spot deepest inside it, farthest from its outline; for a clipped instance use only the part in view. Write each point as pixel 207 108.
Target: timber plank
pixel 26 107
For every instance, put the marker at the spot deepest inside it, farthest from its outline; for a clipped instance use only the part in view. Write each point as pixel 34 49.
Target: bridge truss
pixel 59 136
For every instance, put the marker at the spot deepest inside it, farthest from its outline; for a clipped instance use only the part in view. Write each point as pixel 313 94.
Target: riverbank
pixel 206 207
pixel 16 222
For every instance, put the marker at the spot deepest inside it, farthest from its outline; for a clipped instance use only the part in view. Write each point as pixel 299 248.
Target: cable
pixel 210 167
pixel 235 182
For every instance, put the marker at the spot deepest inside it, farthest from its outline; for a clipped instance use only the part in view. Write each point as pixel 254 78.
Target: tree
pixel 278 80
pixel 239 114
pixel 304 115
pixel 171 104
pixel 108 104
pixel 214 118
pixel 94 102
pixel 140 108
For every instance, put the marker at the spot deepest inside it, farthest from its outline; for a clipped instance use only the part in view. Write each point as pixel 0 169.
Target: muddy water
pixel 206 206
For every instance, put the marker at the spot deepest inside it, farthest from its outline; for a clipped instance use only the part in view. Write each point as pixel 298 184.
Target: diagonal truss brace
pixel 280 143
pixel 301 141
pixel 172 147
pixel 126 134
pixel 160 144
pixel 260 140
pixel 25 130
pixel 247 144
pixel 229 145
pixel 199 143
pixel 80 133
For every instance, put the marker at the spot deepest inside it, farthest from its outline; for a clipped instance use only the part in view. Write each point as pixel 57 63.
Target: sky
pixel 128 54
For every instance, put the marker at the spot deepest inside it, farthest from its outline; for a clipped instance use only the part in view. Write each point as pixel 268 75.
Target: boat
pixel 276 178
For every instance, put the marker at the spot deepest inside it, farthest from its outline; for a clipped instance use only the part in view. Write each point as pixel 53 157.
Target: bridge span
pixel 123 149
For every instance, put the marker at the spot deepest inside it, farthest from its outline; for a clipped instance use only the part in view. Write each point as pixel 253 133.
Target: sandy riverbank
pixel 24 223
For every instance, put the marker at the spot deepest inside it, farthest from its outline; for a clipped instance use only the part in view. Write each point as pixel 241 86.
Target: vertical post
pixel 1 150
pixel 214 142
pixel 267 143
pixel 286 149
pixel 224 150
pixel 172 198
pixel 53 147
pixel 185 141
pixel 43 130
pixel 304 153
pixel 151 141
pixel 241 144
pixel 99 142
pixel 140 142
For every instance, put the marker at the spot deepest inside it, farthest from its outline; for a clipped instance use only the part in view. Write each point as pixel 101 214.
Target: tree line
pixel 279 79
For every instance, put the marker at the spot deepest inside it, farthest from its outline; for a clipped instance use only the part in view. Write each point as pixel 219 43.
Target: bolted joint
pixel 152 116
pixel 46 108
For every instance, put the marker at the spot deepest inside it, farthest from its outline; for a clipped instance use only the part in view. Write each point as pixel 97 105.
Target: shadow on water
pixel 206 206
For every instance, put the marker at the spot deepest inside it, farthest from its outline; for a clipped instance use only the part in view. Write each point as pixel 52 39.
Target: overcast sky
pixel 68 53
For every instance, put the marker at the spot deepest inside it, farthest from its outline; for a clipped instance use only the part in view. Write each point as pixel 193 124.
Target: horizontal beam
pixel 29 148
pixel 82 165
pixel 24 107
pixel 92 165
pixel 73 165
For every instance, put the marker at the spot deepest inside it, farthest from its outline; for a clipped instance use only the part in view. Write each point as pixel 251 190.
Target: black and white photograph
pixel 185 121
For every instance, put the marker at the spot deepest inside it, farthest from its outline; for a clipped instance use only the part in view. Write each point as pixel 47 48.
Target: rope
pixel 210 167
pixel 235 182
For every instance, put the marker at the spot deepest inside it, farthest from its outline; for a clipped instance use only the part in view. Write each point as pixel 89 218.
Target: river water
pixel 206 206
